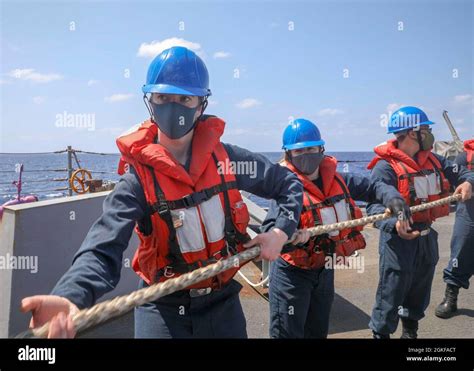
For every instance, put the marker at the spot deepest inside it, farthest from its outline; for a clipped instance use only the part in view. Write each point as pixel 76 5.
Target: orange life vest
pixel 329 205
pixel 469 148
pixel 195 218
pixel 419 181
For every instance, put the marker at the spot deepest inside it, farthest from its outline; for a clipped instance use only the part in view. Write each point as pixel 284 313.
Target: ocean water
pixel 41 171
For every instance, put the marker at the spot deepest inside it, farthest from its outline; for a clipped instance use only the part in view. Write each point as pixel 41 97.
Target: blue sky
pixel 290 58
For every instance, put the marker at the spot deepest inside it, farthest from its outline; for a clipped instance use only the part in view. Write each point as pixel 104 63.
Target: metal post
pixel 69 168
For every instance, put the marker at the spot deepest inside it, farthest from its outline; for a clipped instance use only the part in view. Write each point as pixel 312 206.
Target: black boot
pixel 377 335
pixel 410 328
pixel 449 305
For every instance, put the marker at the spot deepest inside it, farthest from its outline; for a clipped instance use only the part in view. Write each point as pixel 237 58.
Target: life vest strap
pixel 328 202
pixel 196 198
pixel 232 236
pixel 174 255
pixel 312 206
pixel 347 196
pixel 437 170
pixel 322 243
pixel 183 268
pixel 422 172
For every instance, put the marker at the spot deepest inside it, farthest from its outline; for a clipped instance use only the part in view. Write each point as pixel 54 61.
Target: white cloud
pixel 248 103
pixel 330 112
pixel 39 100
pixel 463 99
pixel 92 82
pixel 118 98
pixel 221 54
pixel 156 47
pixel 29 74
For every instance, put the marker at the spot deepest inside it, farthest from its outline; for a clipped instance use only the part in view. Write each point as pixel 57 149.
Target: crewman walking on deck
pixel 408 256
pixel 461 263
pixel 302 278
pixel 181 194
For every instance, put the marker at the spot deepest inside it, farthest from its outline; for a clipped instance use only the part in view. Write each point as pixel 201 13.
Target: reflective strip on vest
pixel 188 229
pixel 427 185
pixel 339 212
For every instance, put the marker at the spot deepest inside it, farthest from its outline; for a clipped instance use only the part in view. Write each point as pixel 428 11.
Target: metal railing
pixel 69 170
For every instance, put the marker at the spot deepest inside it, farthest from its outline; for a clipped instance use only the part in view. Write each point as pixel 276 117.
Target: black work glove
pixel 399 209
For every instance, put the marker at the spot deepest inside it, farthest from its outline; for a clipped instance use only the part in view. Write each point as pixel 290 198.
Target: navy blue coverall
pixel 406 267
pixel 96 266
pixel 301 299
pixel 461 263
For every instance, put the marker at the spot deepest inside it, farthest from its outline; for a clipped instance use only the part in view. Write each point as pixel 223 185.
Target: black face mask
pixel 173 119
pixel 426 143
pixel 307 163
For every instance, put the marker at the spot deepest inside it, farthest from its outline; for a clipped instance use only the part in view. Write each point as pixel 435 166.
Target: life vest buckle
pixel 214 256
pixel 328 202
pixel 161 207
pixel 193 199
pixel 231 250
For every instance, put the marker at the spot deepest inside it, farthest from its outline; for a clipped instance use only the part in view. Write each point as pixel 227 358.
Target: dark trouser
pixel 218 314
pixel 461 263
pixel 300 301
pixel 406 269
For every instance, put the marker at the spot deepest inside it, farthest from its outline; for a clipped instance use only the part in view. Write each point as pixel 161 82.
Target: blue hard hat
pixel 301 133
pixel 177 70
pixel 407 118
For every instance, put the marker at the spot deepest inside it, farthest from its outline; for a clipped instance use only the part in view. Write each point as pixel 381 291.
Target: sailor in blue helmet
pixel 185 206
pixel 302 278
pixel 408 257
pixel 461 262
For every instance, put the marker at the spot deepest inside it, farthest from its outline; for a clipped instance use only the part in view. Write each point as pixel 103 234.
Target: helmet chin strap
pixel 147 104
pixel 203 107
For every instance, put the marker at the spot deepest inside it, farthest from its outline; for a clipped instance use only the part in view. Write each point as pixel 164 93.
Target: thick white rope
pixel 120 305
pixel 261 283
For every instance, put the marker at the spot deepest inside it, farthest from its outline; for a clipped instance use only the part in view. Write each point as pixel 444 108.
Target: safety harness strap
pixel 197 198
pixel 161 207
pixel 231 235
